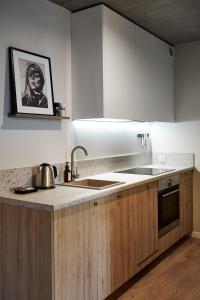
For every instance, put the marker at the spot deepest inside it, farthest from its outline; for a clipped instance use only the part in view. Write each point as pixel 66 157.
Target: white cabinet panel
pixel 118 69
pixel 155 79
pixel 119 63
pixel 87 64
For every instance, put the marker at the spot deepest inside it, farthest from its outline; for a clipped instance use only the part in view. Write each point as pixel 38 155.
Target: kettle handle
pixel 55 171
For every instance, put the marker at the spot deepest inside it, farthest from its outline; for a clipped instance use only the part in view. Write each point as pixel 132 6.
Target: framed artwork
pixel 32 89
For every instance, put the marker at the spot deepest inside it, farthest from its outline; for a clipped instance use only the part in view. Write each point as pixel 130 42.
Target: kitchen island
pixel 75 243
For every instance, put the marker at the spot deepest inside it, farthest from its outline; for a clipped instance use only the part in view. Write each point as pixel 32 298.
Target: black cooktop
pixel 145 171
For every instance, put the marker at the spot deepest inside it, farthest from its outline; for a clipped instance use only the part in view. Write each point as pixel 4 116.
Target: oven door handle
pixel 170 193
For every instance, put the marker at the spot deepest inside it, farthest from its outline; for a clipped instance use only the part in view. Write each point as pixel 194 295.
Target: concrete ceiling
pixel 175 21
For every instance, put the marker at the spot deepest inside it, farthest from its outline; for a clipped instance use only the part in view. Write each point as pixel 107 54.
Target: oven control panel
pixel 168 182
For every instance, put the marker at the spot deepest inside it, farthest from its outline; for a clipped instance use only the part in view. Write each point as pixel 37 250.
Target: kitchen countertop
pixel 66 196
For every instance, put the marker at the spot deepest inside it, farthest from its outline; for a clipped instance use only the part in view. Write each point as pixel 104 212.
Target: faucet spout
pixel 74 174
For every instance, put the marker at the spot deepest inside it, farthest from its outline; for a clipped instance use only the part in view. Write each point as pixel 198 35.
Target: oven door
pixel 168 210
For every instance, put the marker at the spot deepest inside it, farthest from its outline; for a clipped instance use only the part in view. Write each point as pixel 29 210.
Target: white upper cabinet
pixel 119 65
pixel 155 78
pixel 119 70
pixel 87 64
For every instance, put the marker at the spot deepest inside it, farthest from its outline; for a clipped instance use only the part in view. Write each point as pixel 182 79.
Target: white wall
pixel 181 137
pixel 184 136
pixel 42 27
pixel 104 139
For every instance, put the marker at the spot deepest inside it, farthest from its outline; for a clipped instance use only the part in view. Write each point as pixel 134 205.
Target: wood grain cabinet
pixel 26 253
pixel 83 252
pixel 94 247
pixel 146 222
pixel 100 245
pixel 185 228
pixel 75 253
pixel 116 241
pixel 86 251
pixel 186 195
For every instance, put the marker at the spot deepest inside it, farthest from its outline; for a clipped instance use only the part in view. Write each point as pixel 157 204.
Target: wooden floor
pixel 177 277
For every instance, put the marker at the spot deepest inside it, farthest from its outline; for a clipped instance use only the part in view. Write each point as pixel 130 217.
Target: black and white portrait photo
pixel 32 82
pixel 33 85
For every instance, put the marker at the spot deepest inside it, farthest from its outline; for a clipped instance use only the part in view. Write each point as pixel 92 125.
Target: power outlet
pixel 162 158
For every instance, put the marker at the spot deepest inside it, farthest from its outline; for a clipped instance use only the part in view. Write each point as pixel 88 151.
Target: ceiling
pixel 175 21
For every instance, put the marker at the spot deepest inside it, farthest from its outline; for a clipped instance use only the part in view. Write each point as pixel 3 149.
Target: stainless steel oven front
pixel 168 204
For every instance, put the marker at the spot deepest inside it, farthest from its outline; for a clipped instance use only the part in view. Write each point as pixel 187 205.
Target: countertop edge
pixel 8 199
pixel 28 204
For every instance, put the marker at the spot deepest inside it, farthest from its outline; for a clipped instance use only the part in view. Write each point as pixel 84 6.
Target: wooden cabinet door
pixel 146 220
pixel 186 195
pixel 75 253
pixel 188 217
pixel 25 253
pixel 94 247
pixel 115 241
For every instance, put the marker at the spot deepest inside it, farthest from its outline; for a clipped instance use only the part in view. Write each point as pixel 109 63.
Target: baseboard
pixel 196 234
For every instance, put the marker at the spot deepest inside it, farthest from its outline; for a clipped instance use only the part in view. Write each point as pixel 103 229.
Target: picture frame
pixel 31 83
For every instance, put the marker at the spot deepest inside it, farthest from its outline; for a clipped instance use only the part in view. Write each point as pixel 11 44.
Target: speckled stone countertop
pixel 65 196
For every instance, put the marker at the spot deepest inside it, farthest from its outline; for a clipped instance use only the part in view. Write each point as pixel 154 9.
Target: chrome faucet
pixel 74 174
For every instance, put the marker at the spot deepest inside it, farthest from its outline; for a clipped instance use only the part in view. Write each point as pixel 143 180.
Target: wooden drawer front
pixel 186 218
pixel 167 240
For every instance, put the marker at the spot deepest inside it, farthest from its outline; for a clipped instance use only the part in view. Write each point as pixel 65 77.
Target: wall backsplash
pixel 9 179
pixel 176 159
pixel 15 177
pixel 112 164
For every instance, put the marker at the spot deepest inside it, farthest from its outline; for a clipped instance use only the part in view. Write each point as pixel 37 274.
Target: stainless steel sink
pixel 96 184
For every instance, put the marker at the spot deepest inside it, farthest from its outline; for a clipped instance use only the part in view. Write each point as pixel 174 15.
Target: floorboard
pixel 177 277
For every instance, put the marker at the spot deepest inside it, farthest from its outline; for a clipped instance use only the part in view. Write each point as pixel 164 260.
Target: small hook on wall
pixel 143 137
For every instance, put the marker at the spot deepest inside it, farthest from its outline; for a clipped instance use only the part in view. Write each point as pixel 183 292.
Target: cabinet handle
pixel 170 193
pixel 119 196
pixel 95 203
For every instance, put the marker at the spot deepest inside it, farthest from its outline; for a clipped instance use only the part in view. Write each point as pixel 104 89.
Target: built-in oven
pixel 168 204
